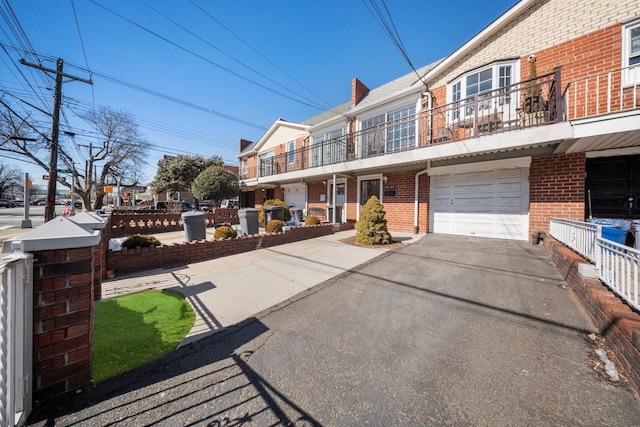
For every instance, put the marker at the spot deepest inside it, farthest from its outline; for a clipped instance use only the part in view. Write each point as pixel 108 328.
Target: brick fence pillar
pixel 63 284
pixel 93 221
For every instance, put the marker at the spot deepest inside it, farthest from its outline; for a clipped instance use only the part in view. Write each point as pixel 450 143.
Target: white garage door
pixel 296 196
pixel 493 203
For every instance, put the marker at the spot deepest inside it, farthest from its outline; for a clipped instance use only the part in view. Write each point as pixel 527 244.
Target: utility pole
pixel 49 210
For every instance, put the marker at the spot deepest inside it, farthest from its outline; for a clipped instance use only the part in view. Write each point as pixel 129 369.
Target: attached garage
pixel 295 195
pixel 485 203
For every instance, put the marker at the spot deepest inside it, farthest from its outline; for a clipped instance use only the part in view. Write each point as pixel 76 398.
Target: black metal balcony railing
pixel 530 103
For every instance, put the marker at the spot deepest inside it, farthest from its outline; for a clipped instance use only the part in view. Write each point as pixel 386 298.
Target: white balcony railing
pixel 618 265
pixel 602 93
pixel 16 338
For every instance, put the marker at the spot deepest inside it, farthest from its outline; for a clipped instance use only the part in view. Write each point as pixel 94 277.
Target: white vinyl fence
pixel 16 338
pixel 618 265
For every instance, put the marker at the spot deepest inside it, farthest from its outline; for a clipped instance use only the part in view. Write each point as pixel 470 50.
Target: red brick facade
pixel 556 189
pixel 400 208
pixel 557 183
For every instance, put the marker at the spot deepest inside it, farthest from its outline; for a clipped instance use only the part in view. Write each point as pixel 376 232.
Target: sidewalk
pixel 228 290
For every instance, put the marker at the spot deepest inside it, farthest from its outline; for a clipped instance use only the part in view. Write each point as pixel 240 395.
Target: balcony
pixel 528 104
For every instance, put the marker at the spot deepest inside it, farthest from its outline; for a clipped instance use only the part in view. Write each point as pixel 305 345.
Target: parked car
pixel 77 204
pixel 230 204
pixel 39 202
pixel 205 206
pixel 165 206
pixel 18 203
pixel 6 203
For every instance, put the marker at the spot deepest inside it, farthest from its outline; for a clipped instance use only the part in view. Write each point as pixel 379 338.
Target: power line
pixel 155 93
pixel 259 53
pixel 14 26
pixel 182 27
pixel 389 27
pixel 84 52
pixel 192 53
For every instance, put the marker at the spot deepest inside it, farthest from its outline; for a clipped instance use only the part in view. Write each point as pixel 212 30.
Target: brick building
pixel 537 116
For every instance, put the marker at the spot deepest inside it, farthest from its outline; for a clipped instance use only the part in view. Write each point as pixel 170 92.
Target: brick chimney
pixel 358 91
pixel 244 144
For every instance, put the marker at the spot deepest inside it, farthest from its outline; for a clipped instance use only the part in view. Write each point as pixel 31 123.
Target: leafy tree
pixel 371 228
pixel 178 173
pixel 215 183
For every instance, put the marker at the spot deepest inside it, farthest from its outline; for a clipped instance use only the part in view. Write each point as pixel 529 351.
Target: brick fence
pixel 618 324
pixel 125 223
pixel 140 259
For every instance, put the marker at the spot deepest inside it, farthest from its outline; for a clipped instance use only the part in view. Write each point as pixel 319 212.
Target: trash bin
pixel 195 227
pixel 338 214
pixel 248 221
pixel 536 237
pixel 273 212
pixel 296 214
pixel 613 229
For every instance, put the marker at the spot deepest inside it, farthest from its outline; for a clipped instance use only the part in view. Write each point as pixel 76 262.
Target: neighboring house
pixel 537 116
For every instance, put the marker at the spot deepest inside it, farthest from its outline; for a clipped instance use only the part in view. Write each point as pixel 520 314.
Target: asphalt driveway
pixel 445 331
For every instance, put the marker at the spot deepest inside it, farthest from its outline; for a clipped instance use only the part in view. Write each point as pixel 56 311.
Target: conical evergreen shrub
pixel 371 228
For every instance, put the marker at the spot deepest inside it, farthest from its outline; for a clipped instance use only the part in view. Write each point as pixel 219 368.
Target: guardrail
pixel 618 265
pixel 602 93
pixel 579 236
pixel 16 338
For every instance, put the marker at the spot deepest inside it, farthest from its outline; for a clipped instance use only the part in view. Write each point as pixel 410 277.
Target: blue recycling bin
pixel 613 229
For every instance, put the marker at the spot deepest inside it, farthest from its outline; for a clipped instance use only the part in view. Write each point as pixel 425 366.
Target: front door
pixel 341 201
pixel 368 188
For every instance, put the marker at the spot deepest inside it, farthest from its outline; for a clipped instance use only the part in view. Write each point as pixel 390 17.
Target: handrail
pixel 618 265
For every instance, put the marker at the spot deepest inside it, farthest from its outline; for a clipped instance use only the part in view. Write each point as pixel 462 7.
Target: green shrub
pixel 286 215
pixel 225 232
pixel 142 240
pixel 274 226
pixel 312 220
pixel 371 228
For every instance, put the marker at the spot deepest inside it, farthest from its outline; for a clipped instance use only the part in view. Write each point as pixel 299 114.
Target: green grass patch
pixel 135 329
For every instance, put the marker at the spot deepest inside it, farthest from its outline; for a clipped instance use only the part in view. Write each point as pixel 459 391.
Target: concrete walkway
pixel 228 290
pixel 449 330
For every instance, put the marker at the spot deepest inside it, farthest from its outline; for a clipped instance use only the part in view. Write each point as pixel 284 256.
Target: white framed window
pixel 329 147
pixel 401 132
pixel 478 86
pixel 631 52
pixel 291 155
pixel 243 167
pixel 391 131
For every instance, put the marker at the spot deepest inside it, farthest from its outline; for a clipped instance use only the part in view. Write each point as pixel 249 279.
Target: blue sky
pixel 247 62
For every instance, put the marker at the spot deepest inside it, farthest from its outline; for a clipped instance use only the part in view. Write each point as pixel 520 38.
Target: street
pixel 12 217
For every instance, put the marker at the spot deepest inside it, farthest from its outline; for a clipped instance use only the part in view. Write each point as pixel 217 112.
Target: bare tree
pixel 18 135
pixel 10 176
pixel 120 154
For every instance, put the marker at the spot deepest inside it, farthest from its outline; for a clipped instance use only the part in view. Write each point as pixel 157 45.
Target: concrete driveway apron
pixel 446 331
